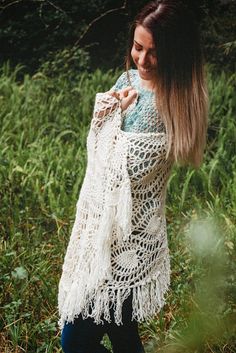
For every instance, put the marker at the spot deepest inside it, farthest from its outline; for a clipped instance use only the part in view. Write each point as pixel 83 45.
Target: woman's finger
pixel 126 101
pixel 114 94
pixel 125 91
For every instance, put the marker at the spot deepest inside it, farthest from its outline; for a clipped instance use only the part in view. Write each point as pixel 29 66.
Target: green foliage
pixel 44 124
pixel 32 29
pixel 66 63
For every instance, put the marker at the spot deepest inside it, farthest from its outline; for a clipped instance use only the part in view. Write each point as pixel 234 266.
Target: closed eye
pixel 138 48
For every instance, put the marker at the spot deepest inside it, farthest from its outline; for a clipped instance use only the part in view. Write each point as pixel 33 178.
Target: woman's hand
pixel 126 95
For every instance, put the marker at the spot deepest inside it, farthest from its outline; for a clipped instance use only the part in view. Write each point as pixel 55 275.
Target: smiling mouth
pixel 145 70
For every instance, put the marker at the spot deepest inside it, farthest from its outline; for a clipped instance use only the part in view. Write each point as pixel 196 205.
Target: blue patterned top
pixel 142 115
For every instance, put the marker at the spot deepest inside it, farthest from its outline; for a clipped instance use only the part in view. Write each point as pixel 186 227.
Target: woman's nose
pixel 143 58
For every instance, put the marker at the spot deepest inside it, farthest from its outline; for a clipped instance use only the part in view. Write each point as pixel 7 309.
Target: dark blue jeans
pixel 84 336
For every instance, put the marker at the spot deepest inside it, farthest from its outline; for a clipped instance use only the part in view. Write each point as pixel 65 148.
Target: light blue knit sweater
pixel 142 116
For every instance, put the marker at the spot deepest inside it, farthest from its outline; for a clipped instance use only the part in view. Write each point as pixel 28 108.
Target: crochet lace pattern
pixel 118 243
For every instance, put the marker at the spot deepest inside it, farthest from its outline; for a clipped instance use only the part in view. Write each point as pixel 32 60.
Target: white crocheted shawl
pixel 118 243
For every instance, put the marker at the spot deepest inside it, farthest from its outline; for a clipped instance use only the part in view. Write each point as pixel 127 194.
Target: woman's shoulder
pixel 127 78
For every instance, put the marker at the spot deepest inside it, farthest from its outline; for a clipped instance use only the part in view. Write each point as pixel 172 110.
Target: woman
pixel 116 270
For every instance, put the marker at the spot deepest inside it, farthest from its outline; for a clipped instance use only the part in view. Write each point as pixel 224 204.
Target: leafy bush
pixel 66 63
pixel 32 29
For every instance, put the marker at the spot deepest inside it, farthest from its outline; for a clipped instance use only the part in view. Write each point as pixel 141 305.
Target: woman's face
pixel 144 54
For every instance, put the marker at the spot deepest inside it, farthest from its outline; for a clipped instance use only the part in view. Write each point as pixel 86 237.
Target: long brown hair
pixel 181 90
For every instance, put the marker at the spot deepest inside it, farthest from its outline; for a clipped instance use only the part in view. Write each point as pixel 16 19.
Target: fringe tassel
pixel 100 268
pixel 148 299
pixel 118 310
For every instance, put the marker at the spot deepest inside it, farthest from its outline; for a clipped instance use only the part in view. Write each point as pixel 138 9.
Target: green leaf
pixel 19 273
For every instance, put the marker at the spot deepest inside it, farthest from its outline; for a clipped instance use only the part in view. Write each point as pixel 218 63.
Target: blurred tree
pixel 32 31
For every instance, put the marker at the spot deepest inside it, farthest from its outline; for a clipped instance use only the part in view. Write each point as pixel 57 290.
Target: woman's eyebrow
pixel 137 43
pixel 151 49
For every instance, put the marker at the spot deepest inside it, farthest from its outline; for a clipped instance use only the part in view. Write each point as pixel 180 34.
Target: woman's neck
pixel 147 84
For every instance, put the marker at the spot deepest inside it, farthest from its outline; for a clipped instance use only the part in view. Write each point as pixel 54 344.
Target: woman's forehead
pixel 143 37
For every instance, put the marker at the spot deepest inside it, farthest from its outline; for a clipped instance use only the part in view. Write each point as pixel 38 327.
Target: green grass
pixel 44 124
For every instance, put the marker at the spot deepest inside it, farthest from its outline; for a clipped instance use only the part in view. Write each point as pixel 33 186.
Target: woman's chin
pixel 146 75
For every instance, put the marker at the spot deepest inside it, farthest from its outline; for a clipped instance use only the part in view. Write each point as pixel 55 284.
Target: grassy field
pixel 44 124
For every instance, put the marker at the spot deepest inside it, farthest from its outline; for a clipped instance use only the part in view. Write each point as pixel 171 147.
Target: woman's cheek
pixel 134 55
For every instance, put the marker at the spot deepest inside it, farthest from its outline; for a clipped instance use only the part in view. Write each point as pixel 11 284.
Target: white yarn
pixel 118 242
